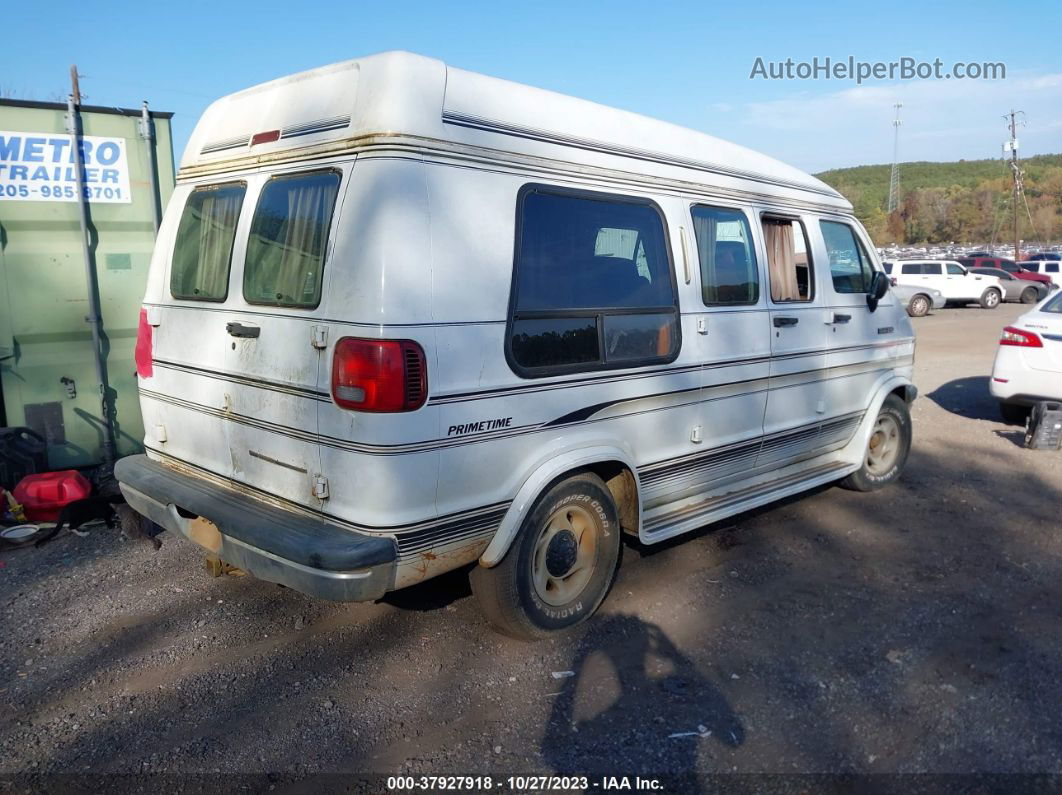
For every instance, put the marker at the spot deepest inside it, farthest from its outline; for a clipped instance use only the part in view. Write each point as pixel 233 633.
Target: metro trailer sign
pixel 41 167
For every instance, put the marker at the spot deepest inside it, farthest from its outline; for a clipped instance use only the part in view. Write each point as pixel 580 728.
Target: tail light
pixel 379 375
pixel 142 352
pixel 1022 339
pixel 892 281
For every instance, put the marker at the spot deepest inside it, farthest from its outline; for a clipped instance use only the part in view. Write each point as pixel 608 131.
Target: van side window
pixel 788 259
pixel 955 270
pixel 593 284
pixel 289 234
pixel 1051 267
pixel 850 264
pixel 729 274
pixel 910 268
pixel 199 270
pixel 931 268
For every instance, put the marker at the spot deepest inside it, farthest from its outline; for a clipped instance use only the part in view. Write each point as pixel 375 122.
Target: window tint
pixel 289 233
pixel 953 269
pixel 1054 305
pixel 1051 267
pixel 932 268
pixel 199 270
pixel 887 266
pixel 850 265
pixel 911 267
pixel 593 284
pixel 1032 266
pixel 729 273
pixel 788 260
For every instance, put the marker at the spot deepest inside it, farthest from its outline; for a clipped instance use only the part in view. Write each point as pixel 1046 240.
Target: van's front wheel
pixel 560 565
pixel 887 448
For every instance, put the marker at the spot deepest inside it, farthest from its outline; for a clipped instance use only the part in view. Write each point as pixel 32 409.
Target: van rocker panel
pixel 305 553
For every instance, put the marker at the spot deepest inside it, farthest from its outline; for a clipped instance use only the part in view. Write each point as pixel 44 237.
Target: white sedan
pixel 1028 365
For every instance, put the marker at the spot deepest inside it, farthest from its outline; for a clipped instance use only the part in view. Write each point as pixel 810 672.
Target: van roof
pixel 400 95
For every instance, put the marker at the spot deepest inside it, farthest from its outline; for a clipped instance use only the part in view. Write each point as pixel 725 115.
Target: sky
pixel 685 62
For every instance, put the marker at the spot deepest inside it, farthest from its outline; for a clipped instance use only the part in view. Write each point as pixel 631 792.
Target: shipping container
pixel 48 376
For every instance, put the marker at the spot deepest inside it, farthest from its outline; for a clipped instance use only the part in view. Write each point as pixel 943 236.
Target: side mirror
pixel 879 285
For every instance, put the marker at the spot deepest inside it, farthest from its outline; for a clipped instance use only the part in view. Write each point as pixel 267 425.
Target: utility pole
pixel 894 179
pixel 75 86
pixel 1012 147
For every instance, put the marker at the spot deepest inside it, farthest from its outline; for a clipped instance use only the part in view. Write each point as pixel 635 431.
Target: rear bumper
pixel 305 553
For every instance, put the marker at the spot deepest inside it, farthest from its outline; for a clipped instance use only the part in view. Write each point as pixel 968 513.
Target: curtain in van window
pixel 781 259
pixel 729 274
pixel 289 232
pixel 200 267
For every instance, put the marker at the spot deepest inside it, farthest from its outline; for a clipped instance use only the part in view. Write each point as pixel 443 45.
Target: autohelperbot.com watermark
pixel 905 68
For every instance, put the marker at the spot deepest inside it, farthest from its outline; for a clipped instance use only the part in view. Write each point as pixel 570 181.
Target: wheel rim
pixel 920 306
pixel 992 298
pixel 884 445
pixel 565 555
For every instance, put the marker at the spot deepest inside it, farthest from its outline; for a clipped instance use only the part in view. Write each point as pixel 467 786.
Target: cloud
pixel 942 120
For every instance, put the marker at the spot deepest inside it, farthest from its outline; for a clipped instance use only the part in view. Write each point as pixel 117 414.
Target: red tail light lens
pixel 142 352
pixel 379 375
pixel 1020 338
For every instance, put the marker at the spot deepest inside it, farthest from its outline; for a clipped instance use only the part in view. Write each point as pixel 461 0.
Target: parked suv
pixel 1050 268
pixel 956 282
pixel 1010 266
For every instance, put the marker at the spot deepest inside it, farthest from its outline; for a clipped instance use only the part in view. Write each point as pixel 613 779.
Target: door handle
pixel 781 322
pixel 838 318
pixel 240 330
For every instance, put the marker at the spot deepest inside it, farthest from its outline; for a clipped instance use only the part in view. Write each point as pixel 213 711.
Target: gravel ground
pixel 909 630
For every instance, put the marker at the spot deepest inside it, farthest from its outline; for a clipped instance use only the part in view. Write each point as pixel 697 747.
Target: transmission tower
pixel 894 179
pixel 1015 168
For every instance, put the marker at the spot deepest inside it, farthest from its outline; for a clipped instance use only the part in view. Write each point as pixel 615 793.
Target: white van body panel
pixel 421 245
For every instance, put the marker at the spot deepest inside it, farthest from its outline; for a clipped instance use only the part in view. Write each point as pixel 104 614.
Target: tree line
pixel 964 202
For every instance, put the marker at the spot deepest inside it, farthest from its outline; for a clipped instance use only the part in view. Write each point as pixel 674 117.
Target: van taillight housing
pixel 142 351
pixel 379 375
pixel 1022 339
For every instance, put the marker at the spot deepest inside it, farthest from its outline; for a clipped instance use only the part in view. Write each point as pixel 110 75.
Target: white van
pixel 402 318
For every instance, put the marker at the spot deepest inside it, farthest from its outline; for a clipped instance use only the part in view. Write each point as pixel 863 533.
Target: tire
pixel 1014 413
pixel 990 298
pixel 528 595
pixel 883 465
pixel 1029 295
pixel 919 306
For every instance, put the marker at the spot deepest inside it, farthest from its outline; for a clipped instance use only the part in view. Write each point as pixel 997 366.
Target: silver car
pixel 918 300
pixel 1015 289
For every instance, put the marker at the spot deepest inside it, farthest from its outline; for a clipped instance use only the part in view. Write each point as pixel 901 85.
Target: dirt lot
pixel 914 629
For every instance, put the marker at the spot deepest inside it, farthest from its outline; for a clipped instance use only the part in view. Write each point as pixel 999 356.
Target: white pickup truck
pixel 958 285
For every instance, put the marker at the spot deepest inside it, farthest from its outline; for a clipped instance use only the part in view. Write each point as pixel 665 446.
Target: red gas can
pixel 43 496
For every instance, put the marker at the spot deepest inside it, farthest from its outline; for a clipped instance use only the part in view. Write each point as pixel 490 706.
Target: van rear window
pixel 289 234
pixel 199 270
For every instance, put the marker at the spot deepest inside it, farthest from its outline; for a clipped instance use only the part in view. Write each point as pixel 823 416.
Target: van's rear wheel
pixel 560 565
pixel 887 448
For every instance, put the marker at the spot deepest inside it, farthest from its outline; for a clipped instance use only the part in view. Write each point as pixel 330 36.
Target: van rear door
pixel 238 345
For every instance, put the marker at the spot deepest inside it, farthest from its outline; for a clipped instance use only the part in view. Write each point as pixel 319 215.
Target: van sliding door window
pixel 729 276
pixel 788 260
pixel 289 235
pixel 593 284
pixel 849 262
pixel 199 269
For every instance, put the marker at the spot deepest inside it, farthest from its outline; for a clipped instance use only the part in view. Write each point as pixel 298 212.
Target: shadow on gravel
pixel 625 671
pixel 968 397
